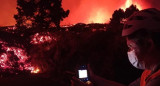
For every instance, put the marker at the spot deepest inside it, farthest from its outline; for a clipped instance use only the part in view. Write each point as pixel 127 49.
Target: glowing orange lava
pixel 128 3
pixel 35 70
pixel 138 6
pixel 40 38
pixel 7 59
pixel 98 16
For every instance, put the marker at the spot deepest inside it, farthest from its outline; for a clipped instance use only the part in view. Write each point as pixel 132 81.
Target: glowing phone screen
pixel 82 73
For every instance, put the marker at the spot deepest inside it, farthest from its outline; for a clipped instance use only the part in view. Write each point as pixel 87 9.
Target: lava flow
pixel 14 58
pixel 40 38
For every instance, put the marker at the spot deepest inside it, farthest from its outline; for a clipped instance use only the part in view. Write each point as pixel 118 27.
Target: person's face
pixel 134 54
pixel 144 52
pixel 132 46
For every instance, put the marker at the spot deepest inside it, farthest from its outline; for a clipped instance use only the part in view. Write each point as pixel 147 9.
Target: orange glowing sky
pixel 81 11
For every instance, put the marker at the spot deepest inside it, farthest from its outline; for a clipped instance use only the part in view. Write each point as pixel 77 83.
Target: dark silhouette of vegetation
pixel 40 14
pixel 129 11
pixel 119 17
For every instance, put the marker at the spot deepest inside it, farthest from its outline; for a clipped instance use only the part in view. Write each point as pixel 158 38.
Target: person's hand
pixel 76 82
pixel 91 73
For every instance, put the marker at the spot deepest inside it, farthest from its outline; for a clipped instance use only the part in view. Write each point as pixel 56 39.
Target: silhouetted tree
pixel 117 16
pixel 115 25
pixel 120 14
pixel 39 13
pixel 129 11
pixel 25 16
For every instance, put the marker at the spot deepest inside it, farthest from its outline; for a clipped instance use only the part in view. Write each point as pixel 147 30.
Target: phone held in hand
pixel 83 73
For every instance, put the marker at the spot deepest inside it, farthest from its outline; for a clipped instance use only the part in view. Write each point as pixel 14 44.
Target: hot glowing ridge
pixel 128 3
pixel 99 16
pixel 40 38
pixel 35 70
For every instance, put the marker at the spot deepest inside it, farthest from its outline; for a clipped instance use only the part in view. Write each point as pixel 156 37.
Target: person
pixel 142 33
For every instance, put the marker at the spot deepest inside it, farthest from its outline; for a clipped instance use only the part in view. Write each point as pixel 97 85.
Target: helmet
pixel 148 19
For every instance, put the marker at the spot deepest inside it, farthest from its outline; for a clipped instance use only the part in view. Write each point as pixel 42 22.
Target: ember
pixel 35 70
pixel 14 58
pixel 40 38
pixel 12 28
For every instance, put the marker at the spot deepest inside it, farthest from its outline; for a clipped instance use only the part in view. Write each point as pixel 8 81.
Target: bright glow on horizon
pixel 128 3
pixel 98 16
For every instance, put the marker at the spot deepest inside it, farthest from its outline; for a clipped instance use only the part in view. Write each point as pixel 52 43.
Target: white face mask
pixel 134 60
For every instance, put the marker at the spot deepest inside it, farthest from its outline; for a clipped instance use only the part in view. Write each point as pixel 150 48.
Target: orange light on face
pixel 36 70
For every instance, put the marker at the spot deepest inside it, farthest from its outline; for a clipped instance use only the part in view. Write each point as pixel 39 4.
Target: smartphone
pixel 83 73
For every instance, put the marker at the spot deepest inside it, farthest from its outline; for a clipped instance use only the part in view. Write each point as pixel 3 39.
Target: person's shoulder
pixel 135 83
pixel 154 82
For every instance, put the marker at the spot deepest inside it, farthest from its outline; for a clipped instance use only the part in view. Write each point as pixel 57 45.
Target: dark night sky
pixel 85 11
